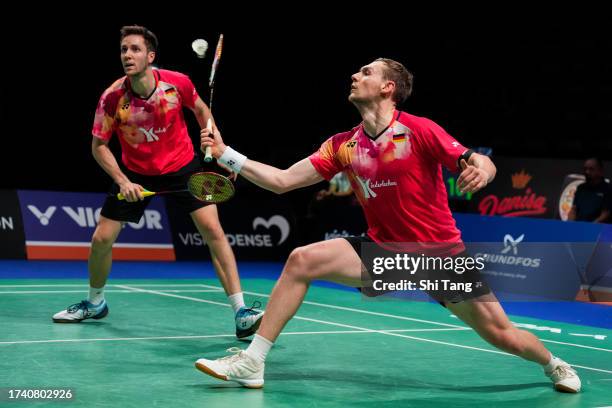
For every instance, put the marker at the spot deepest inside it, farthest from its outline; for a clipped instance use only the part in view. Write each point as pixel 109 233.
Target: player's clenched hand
pixel 471 179
pixel 213 140
pixel 131 191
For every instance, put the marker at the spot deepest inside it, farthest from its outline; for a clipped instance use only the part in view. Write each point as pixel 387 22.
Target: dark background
pixel 534 87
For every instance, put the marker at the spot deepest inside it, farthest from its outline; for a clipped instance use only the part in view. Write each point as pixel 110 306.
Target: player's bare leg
pixel 99 265
pixel 486 316
pixel 333 260
pixel 206 220
pixel 101 253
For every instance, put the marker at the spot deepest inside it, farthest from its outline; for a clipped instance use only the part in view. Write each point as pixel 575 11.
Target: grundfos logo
pixel 511 245
pixel 87 217
pixel 261 240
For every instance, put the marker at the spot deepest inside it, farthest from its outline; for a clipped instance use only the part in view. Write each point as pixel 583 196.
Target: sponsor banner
pixel 11 227
pixel 527 187
pixel 59 225
pixel 531 258
pixel 255 229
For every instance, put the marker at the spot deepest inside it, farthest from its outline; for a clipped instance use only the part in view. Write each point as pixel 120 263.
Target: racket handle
pixel 144 194
pixel 208 153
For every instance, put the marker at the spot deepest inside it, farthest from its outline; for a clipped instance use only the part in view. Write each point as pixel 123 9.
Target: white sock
pixel 96 295
pixel 259 347
pixel 237 301
pixel 552 364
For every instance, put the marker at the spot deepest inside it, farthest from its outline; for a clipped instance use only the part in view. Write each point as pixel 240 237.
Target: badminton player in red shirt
pixel 393 161
pixel 144 109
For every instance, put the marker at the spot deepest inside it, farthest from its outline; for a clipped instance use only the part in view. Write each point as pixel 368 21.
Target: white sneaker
pixel 239 367
pixel 81 311
pixel 565 378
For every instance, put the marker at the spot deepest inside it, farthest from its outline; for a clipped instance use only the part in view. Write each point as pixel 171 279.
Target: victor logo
pixel 43 217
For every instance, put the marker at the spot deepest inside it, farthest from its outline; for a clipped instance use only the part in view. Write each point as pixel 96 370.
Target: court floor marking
pixel 350 309
pixel 209 336
pixel 359 328
pixel 19 292
pixel 80 285
pixel 217 289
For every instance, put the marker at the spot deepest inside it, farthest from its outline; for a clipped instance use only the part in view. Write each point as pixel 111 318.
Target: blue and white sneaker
pixel 248 320
pixel 81 311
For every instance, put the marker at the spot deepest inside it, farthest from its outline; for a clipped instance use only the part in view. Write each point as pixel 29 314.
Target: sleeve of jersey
pixel 187 90
pixel 440 145
pixel 324 160
pixel 103 120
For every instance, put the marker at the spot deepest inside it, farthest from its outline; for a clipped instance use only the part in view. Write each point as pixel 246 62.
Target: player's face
pixel 368 83
pixel 134 55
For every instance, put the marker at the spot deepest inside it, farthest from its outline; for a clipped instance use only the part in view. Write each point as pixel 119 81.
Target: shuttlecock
pixel 199 46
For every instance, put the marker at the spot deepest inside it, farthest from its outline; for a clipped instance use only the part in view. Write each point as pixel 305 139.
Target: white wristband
pixel 232 159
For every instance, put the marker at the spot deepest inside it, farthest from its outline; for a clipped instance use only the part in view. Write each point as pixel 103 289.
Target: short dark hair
pixel 403 79
pixel 149 37
pixel 597 161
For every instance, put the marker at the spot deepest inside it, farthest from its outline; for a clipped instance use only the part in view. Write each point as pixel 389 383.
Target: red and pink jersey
pixel 152 131
pixel 397 178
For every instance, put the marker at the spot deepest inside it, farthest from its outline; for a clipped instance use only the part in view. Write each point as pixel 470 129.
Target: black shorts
pixel 121 210
pixel 449 286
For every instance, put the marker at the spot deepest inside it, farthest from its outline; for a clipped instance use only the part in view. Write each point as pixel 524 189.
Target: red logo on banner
pixel 528 203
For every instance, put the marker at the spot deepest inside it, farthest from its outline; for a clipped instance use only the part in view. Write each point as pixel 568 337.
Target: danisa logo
pixel 511 246
pixel 518 205
pixel 261 240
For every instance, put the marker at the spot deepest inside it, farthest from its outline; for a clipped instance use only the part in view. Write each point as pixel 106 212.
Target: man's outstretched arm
pixel 301 174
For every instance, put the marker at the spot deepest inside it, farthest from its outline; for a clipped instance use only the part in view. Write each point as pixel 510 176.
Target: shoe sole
pixel 210 372
pixel 102 315
pixel 250 331
pixel 563 388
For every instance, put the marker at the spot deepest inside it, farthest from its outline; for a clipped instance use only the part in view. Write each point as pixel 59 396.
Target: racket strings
pixel 210 187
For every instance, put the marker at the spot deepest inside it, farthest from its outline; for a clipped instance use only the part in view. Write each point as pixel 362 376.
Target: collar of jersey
pixel 128 86
pixel 394 117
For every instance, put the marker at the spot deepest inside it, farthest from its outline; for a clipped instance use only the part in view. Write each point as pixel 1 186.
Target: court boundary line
pixel 31 292
pixel 186 337
pixel 219 289
pixel 364 329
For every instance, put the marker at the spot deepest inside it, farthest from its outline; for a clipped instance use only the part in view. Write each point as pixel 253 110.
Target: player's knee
pixel 211 230
pixel 299 262
pixel 102 241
